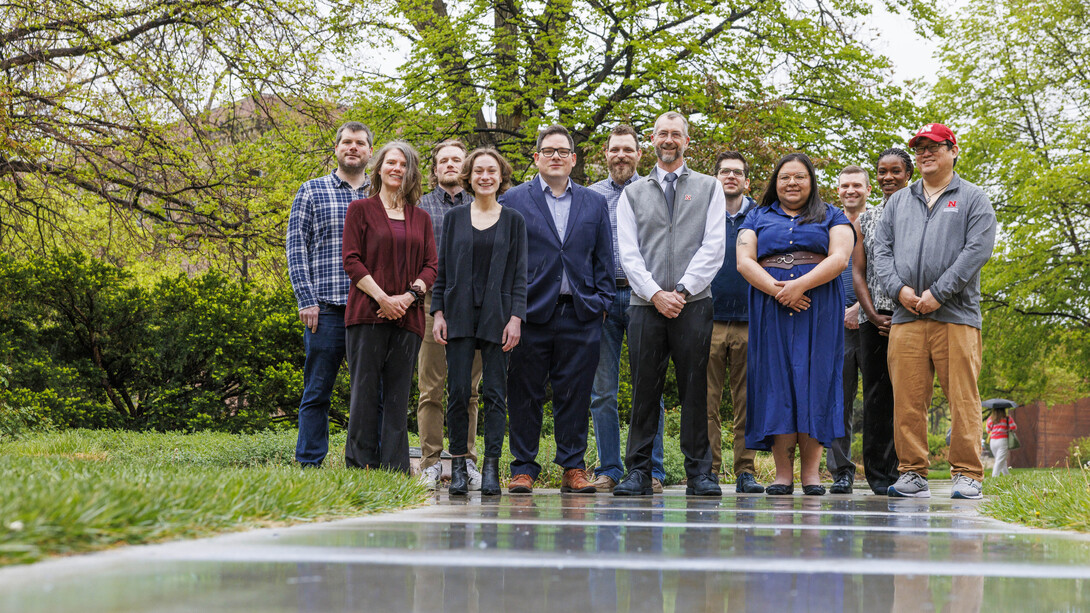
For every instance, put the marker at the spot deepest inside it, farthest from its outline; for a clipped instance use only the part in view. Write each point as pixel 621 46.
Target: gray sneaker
pixel 910 485
pixel 966 488
pixel 474 476
pixel 431 475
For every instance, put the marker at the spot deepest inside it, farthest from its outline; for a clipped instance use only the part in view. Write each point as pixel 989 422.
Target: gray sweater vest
pixel 668 245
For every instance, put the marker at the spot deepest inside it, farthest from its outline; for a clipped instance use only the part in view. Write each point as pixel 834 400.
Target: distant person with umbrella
pixel 1000 428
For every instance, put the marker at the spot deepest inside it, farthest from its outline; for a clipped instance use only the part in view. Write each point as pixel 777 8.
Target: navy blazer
pixel 505 289
pixel 586 254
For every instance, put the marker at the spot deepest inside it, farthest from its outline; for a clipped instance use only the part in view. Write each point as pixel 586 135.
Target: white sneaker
pixel 431 475
pixel 474 476
pixel 910 485
pixel 966 488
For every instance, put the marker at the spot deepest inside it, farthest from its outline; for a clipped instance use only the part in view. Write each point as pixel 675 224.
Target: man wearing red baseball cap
pixel 930 245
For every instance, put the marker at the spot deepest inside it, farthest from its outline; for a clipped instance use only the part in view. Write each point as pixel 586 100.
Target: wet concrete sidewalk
pixel 561 553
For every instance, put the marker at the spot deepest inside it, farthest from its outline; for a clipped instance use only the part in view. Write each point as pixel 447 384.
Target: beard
pixel 353 167
pixel 621 171
pixel 669 155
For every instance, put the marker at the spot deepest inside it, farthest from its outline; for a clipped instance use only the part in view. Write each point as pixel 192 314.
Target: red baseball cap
pixel 936 132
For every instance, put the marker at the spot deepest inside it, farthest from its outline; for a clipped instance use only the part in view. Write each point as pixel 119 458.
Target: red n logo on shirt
pixel 953 204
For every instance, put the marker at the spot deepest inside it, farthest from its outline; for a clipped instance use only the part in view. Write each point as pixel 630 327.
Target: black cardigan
pixel 505 290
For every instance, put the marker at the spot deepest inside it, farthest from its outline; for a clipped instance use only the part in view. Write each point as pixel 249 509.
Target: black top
pixel 505 286
pixel 482 259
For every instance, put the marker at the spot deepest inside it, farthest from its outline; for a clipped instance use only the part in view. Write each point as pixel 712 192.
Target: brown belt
pixel 791 260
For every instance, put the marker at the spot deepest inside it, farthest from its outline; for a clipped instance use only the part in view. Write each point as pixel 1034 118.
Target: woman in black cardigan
pixel 479 302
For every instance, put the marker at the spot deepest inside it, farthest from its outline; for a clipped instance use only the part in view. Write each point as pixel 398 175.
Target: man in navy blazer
pixel 569 288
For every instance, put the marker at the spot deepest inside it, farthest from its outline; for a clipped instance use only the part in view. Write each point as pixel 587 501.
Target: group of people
pixel 535 286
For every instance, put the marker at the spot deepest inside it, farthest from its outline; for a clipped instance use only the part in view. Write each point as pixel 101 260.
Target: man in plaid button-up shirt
pixel 320 283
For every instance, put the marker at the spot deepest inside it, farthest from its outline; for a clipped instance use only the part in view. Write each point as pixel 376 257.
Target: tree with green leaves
pixel 1016 86
pixel 756 74
pixel 145 116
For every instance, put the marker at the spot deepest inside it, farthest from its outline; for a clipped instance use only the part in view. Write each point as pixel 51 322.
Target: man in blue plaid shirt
pixel 320 283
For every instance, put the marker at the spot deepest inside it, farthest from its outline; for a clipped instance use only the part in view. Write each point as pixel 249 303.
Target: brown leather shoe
pixel 656 485
pixel 575 482
pixel 521 484
pixel 603 484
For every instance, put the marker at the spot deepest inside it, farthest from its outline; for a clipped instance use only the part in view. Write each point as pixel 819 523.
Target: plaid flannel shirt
pixel 315 228
pixel 612 192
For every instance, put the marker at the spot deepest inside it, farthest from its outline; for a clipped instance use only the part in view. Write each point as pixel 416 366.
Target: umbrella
pixel 999 403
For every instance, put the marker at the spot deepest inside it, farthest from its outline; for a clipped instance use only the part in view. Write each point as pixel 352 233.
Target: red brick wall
pixel 1047 432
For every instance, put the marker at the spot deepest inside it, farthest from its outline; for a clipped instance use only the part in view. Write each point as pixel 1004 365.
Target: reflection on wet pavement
pixel 559 553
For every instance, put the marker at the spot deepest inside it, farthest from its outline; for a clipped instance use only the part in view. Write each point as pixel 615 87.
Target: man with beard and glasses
pixel 447 158
pixel 321 286
pixel 672 236
pixel 730 329
pixel 622 155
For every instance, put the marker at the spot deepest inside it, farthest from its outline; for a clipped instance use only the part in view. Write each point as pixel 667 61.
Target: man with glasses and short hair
pixel 570 285
pixel 730 329
pixel 930 245
pixel 447 192
pixel 672 236
pixel 315 228
pixel 623 153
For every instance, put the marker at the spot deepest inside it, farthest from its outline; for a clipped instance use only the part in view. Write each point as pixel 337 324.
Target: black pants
pixel 380 359
pixel 879 454
pixel 839 457
pixel 652 340
pixel 493 412
pixel 563 353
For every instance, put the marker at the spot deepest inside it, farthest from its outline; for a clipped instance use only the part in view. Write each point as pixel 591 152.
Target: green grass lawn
pixel 1041 498
pixel 82 490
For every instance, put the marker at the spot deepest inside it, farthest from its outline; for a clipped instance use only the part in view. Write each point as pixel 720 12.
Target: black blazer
pixel 505 290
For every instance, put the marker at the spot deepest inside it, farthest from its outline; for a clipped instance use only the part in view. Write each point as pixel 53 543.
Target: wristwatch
pixel 417 296
pixel 679 288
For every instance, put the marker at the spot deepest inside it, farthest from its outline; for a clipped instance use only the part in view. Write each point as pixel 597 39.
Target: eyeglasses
pixel 665 135
pixel 550 152
pixel 799 178
pixel 726 172
pixel 932 148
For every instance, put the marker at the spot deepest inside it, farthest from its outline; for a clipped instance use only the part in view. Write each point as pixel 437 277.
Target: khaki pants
pixel 728 352
pixel 917 352
pixel 431 380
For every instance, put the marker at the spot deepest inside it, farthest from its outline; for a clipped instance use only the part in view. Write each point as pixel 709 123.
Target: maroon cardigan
pixel 367 249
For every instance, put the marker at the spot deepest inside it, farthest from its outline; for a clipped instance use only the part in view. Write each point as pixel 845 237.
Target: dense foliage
pixel 91 347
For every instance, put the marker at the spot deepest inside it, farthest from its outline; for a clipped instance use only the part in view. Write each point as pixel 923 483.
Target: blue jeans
pixel 325 352
pixel 603 397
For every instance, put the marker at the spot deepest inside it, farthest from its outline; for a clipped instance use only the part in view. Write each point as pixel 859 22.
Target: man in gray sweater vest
pixel 671 236
pixel 930 245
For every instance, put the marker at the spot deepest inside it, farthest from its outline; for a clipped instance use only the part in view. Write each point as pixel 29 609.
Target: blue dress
pixel 796 360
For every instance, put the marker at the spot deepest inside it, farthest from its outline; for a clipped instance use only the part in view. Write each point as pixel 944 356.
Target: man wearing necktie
pixel 671 236
pixel 569 287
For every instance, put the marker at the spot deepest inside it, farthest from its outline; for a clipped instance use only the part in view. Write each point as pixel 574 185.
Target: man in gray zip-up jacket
pixel 671 234
pixel 930 245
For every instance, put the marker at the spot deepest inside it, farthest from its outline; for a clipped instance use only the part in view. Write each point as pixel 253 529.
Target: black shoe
pixel 843 483
pixel 880 490
pixel 703 485
pixel 813 490
pixel 459 477
pixel 747 484
pixel 779 489
pixel 635 483
pixel 490 477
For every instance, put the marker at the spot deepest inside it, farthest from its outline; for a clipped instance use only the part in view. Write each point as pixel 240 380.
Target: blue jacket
pixel 586 254
pixel 730 292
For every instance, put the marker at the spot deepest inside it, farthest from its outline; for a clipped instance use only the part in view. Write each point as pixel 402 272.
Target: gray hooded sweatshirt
pixel 941 249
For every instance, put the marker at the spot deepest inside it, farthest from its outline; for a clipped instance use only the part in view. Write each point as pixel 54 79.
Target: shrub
pixel 1078 453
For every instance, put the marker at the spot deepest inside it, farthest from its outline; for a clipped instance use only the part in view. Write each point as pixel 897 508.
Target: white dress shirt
pixel 706 261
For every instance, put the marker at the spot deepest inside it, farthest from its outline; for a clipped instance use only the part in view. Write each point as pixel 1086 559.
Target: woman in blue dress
pixel 792 249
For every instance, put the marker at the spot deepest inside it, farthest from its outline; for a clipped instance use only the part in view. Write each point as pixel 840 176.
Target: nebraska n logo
pixel 951 206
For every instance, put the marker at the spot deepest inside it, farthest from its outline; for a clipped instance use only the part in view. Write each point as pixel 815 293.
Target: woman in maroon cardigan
pixel 389 254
